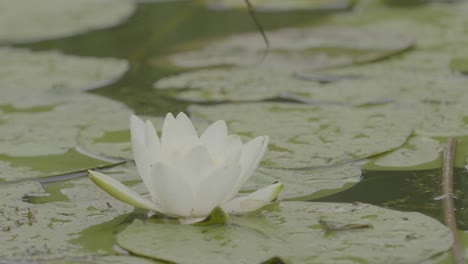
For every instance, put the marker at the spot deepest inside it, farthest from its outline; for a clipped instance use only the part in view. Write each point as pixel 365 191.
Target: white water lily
pixel 187 176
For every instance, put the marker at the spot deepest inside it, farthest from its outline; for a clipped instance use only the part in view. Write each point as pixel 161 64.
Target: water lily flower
pixel 188 176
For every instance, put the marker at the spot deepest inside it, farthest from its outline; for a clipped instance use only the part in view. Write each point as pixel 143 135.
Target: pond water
pixel 412 52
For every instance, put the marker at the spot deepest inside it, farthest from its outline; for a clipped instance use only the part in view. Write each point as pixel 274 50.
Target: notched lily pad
pixel 45 143
pixel 284 5
pixel 360 88
pixel 298 48
pixel 21 22
pixel 310 136
pixel 291 231
pixel 419 153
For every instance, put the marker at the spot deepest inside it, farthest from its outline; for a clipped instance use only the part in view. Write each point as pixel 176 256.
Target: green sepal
pixel 216 217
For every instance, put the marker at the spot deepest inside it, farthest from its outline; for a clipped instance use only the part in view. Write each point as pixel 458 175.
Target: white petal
pixel 253 201
pixel 217 186
pixel 140 153
pixel 252 154
pixel 169 123
pixel 153 150
pixel 174 193
pixel 122 192
pixel 177 133
pixel 215 136
pixel 195 165
pixel 185 123
pixel 232 149
pixel 152 141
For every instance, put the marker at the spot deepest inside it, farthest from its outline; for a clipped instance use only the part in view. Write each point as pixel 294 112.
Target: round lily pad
pixel 56 130
pixel 284 5
pixel 307 184
pixel 298 48
pixel 26 21
pixel 48 142
pixel 297 232
pixel 30 79
pixel 309 136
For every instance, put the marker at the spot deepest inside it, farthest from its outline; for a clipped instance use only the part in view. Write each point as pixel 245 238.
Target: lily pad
pixel 398 89
pixel 310 136
pixel 284 5
pixel 56 130
pixel 234 85
pixel 416 64
pixel 33 167
pixel 48 142
pixel 31 79
pixel 38 225
pixel 23 21
pixel 352 87
pixel 291 231
pixel 419 153
pixel 442 120
pixel 298 48
pixel 307 184
pixel 418 76
pixel 82 219
pixel 447 258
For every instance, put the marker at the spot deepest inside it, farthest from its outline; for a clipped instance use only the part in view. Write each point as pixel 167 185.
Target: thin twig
pixel 447 190
pixel 253 14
